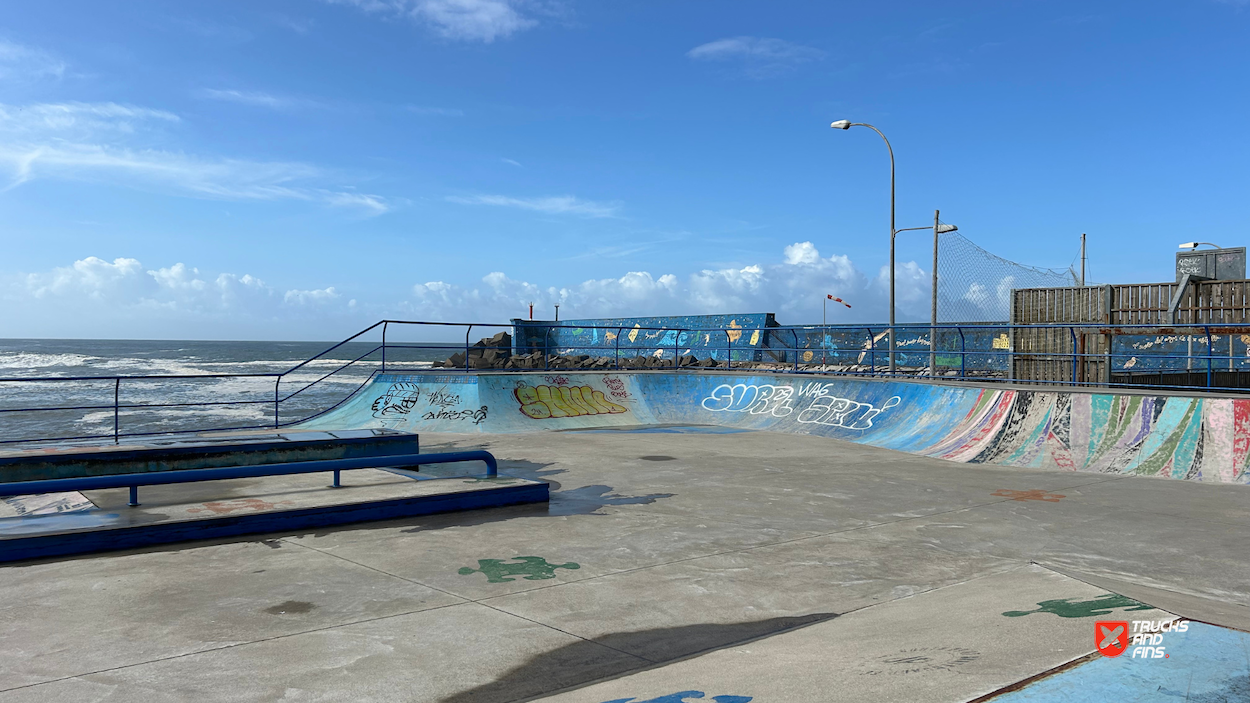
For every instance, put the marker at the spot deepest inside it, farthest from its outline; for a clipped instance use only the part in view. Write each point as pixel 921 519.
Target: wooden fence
pixel 1047 354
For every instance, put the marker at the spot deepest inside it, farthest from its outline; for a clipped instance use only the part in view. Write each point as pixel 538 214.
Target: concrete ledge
pixel 285 503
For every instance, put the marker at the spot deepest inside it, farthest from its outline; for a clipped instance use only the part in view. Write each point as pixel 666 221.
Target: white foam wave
pixel 35 360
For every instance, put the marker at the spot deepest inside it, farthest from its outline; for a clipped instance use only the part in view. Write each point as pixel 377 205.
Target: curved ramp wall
pixel 1204 439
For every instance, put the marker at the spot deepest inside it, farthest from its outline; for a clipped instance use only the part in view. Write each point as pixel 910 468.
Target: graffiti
pixel 681 696
pixel 532 568
pixel 825 408
pixel 542 402
pixel 1073 608
pixel 225 507
pixel 831 411
pixel 557 380
pixel 616 387
pixel 477 416
pixel 441 398
pixel 400 398
pixel 1034 494
pixel 757 399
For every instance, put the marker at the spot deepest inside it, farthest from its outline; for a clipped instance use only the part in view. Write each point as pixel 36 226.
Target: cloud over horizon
pixel 130 297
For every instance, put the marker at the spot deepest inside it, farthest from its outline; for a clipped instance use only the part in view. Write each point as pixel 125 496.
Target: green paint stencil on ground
pixel 1071 608
pixel 532 568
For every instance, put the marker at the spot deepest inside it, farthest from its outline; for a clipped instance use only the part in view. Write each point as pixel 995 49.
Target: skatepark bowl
pixel 750 536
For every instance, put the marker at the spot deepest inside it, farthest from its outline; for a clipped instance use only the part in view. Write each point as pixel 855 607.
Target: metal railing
pixel 1214 358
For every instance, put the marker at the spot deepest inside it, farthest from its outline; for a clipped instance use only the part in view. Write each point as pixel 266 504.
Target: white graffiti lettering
pixel 825 409
pixel 761 399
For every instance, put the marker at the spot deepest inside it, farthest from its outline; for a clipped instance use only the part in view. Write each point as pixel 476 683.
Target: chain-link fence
pixel 975 285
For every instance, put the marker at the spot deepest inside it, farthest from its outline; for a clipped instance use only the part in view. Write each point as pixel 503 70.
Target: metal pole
pixel 117 390
pixel 617 339
pixel 1208 331
pixel 933 303
pixel 384 324
pixel 892 232
pixel 276 381
pixel 1082 259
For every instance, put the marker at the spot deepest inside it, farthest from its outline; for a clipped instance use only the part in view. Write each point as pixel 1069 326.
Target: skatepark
pixel 707 536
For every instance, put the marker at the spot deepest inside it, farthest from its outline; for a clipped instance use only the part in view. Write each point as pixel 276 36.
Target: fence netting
pixel 975 285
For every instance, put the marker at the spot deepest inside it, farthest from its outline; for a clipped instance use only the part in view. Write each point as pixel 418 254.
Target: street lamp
pixel 847 124
pixel 1195 245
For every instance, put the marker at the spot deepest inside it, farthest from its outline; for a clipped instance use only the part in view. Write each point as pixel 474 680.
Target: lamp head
pixel 943 229
pixel 841 124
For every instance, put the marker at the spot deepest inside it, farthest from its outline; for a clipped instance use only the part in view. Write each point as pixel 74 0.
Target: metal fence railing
pixel 1128 356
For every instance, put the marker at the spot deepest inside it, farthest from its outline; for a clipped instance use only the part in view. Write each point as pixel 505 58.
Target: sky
pixel 298 169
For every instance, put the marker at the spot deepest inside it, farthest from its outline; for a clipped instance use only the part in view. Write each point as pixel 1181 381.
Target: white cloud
pixel 793 289
pixel 754 48
pixel 467 20
pixel 311 297
pixel 801 253
pixel 512 163
pixel 21 64
pixel 120 297
pixel 121 144
pixel 555 205
pixel 760 56
pixel 375 204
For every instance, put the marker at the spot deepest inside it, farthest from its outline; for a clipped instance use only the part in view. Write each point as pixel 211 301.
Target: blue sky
pixel 298 169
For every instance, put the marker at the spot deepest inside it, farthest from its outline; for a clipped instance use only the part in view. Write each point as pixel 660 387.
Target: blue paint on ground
pixel 1206 664
pixel 681 696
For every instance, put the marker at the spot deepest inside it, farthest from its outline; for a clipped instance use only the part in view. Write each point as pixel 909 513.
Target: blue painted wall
pixel 743 335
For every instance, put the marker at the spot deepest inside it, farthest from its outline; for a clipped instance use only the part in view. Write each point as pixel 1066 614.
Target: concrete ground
pixel 670 566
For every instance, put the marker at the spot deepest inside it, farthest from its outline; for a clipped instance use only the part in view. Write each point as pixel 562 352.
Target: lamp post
pixel 1195 245
pixel 847 124
pixel 937 229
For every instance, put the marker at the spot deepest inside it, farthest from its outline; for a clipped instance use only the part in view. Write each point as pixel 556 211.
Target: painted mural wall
pixel 745 336
pixel 1193 438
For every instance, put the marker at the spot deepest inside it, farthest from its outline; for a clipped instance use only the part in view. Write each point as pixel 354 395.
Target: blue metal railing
pixel 981 352
pixel 155 478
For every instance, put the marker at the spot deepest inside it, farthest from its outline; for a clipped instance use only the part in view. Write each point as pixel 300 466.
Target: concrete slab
pixel 73 617
pixel 756 589
pixel 433 551
pixel 1162 551
pixel 436 655
pixel 947 645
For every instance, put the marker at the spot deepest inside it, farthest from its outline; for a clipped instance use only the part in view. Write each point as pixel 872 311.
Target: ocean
pixel 237 401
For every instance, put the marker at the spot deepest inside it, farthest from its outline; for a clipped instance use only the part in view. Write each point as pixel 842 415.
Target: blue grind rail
pixel 156 478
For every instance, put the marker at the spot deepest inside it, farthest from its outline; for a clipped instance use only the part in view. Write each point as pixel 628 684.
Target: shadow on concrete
pixel 614 655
